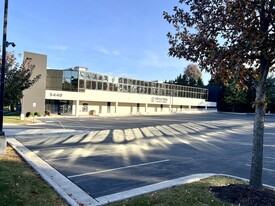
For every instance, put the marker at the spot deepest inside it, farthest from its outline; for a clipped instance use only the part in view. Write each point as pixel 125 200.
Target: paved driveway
pixel 111 155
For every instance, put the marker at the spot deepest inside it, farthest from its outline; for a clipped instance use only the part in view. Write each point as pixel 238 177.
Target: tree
pixel 234 95
pixel 191 77
pixel 18 78
pixel 230 39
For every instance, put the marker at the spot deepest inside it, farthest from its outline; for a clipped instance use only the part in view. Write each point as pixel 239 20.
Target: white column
pixel 116 107
pixel 76 107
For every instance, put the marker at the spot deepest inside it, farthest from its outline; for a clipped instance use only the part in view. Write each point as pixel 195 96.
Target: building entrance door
pixel 65 108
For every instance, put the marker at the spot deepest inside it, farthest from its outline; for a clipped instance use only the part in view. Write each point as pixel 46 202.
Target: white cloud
pixel 156 60
pixel 107 52
pixel 116 53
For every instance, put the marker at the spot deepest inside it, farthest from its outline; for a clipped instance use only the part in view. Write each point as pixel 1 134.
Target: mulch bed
pixel 240 194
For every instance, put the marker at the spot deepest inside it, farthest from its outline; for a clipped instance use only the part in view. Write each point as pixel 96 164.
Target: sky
pixel 117 37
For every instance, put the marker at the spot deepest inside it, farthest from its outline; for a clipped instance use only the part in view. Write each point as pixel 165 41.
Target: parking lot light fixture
pixel 3 140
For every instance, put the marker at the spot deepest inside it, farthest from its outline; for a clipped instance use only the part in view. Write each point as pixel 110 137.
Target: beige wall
pixel 126 102
pixel 105 96
pixel 35 95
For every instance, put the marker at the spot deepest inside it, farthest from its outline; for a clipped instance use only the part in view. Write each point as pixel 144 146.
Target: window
pixel 99 85
pixel 120 87
pixel 145 90
pixel 85 107
pixel 138 107
pixel 88 84
pixel 108 107
pixel 81 83
pixel 111 86
pixel 115 87
pixel 93 84
pixel 94 76
pixel 105 85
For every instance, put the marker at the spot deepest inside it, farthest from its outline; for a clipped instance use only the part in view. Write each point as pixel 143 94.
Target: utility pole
pixel 3 140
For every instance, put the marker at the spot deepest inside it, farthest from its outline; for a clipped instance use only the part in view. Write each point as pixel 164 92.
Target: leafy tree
pixel 18 78
pixel 230 39
pixel 234 95
pixel 191 77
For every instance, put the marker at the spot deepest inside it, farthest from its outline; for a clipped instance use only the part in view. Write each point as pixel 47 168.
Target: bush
pixel 48 112
pixel 37 114
pixel 29 114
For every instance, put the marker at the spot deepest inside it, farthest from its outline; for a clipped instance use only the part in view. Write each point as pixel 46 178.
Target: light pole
pixel 3 140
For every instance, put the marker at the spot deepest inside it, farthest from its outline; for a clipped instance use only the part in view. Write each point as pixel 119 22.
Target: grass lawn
pixel 20 185
pixel 14 118
pixel 196 193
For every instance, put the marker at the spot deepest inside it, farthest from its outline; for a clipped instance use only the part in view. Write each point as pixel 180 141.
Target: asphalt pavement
pixel 105 156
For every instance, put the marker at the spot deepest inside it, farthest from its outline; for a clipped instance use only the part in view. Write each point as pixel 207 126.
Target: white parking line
pixel 270 157
pixel 61 125
pixel 119 168
pixel 267 169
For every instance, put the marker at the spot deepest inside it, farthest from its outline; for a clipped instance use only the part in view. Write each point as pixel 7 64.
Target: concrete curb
pixel 75 196
pixel 163 185
pixel 71 193
pixel 151 188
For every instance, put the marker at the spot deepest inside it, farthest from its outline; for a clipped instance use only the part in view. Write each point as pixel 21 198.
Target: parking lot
pixel 111 155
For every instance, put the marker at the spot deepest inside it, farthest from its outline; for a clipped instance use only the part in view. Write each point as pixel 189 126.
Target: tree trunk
pixel 258 130
pixel 12 107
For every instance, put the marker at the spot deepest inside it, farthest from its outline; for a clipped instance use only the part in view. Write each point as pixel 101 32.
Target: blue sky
pixel 118 37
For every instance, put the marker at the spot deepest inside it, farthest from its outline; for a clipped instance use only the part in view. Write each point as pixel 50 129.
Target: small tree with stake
pixel 230 38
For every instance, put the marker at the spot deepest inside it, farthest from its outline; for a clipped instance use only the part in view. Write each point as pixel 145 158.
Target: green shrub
pixel 37 114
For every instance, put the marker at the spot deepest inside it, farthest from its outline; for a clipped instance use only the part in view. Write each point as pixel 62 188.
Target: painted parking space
pixel 106 161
